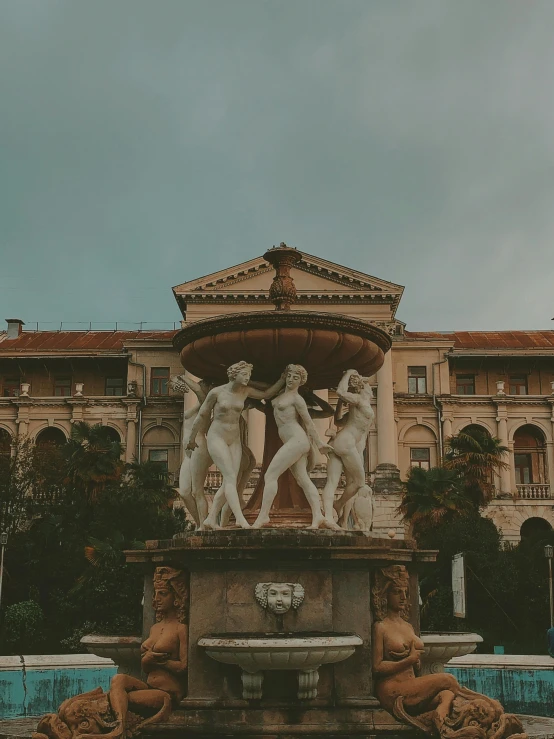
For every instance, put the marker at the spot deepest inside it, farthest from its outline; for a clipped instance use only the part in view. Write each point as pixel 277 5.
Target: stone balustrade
pixel 534 491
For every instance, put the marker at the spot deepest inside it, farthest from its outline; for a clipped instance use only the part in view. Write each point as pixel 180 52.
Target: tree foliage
pixel 431 497
pixel 82 509
pixel 475 456
pixel 507 586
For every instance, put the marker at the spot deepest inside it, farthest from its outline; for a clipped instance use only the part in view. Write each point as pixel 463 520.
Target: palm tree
pixel 474 455
pixel 93 458
pixel 432 496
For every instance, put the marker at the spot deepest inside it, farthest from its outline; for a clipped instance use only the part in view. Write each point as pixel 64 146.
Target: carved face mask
pixel 279 598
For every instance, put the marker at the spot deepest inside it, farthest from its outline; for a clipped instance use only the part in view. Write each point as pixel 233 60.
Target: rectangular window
pixel 62 386
pixel 114 386
pixel 524 469
pixel 159 381
pixel 417 380
pixel 420 458
pixel 159 457
pixel 518 385
pixel 465 384
pixel 10 387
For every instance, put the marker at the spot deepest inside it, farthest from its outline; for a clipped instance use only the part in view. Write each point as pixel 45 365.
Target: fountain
pixel 271 628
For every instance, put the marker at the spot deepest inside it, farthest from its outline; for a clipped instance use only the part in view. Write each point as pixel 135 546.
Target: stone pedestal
pixel 335 571
pixel 387 478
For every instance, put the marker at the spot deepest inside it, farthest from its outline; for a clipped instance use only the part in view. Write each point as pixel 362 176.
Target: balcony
pixel 534 491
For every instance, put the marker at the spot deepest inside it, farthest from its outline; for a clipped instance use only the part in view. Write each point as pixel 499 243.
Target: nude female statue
pixel 194 468
pixel 348 445
pixel 436 704
pixel 297 432
pixel 223 437
pixel 397 651
pixel 164 660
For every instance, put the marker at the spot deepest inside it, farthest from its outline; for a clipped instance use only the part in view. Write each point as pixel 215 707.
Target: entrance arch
pixel 535 528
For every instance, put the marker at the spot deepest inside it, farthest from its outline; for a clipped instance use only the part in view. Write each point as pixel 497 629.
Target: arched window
pixel 530 456
pixel 112 434
pixel 475 430
pixel 5 443
pixel 535 528
pixel 51 436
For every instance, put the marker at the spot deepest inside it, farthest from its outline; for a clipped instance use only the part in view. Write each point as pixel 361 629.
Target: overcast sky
pixel 144 143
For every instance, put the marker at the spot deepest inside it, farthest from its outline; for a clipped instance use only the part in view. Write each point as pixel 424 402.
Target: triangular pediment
pixel 311 274
pixel 320 285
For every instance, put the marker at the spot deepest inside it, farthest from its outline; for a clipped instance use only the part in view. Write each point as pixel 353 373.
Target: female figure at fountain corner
pixel 194 468
pixel 297 431
pixel 348 445
pixel 397 651
pixel 164 660
pixel 223 437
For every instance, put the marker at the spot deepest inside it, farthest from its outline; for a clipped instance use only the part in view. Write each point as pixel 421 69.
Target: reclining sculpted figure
pixel 435 704
pixel 131 704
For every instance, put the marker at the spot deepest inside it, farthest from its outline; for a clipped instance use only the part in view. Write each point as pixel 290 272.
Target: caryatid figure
pixel 194 467
pixel 224 438
pixel 348 445
pixel 297 431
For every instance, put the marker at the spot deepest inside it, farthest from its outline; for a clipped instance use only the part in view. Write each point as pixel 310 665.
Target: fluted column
pixel 131 441
pixel 387 448
pixel 387 474
pixel 505 474
pixel 256 433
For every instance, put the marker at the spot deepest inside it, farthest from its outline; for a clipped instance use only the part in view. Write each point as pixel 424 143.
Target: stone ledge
pixel 536 728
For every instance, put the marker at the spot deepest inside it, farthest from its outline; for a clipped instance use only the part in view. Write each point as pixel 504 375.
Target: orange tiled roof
pixel 489 339
pixel 77 341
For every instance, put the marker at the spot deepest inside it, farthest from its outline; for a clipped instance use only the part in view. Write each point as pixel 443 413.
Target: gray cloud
pixel 146 143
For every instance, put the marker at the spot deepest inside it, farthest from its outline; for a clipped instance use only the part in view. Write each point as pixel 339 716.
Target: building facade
pixel 432 385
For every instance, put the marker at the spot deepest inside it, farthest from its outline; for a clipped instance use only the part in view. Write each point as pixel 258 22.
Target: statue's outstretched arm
pixel 342 389
pixel 269 392
pixel 321 408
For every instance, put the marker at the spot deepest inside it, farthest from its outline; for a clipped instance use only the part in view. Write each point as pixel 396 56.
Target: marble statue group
pixel 214 432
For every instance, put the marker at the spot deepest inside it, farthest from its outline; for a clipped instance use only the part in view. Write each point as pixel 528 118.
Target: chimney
pixel 15 327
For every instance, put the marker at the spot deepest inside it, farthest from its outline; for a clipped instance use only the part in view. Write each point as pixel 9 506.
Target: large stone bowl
pixel 303 653
pixel 254 652
pixel 441 647
pixel 123 650
pixel 325 344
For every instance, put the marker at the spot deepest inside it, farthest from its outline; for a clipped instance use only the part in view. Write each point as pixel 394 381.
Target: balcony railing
pixel 534 491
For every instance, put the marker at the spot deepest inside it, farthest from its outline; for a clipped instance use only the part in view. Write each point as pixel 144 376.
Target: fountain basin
pixel 303 653
pixel 442 646
pixel 325 344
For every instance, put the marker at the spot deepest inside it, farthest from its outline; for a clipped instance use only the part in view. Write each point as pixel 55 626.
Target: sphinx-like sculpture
pixel 435 704
pixel 224 446
pixel 194 467
pixel 348 445
pixel 131 704
pixel 299 435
